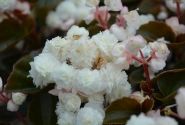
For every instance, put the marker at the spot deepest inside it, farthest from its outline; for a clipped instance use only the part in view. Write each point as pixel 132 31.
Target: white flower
pixel 171 4
pixel 89 81
pixel 82 13
pixel 18 98
pixel 83 54
pixel 150 120
pixel 116 80
pixel 58 47
pixel 11 106
pixel 1 84
pixel 180 100
pixel 114 5
pixel 178 28
pixel 140 120
pixel 134 43
pixel 162 15
pixel 59 108
pixel 24 7
pixel 53 21
pixel 138 20
pixel 7 5
pixel 160 48
pixel 66 10
pixel 157 65
pixel 164 120
pixel 89 116
pixel 97 98
pixel 77 33
pixel 97 106
pixel 71 102
pixel 120 33
pixel 41 69
pixel 64 76
pixel 66 118
pixel 79 3
pixel 92 3
pixel 105 41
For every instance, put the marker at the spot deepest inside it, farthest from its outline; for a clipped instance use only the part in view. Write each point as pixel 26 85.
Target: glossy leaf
pixel 120 110
pixel 42 109
pixel 14 30
pixel 150 6
pixel 155 29
pixel 170 81
pixel 136 76
pixel 18 79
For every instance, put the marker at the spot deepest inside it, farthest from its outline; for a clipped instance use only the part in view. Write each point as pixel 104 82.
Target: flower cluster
pixel 89 70
pixel 69 12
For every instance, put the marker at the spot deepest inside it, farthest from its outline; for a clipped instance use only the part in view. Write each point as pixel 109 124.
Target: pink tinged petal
pixel 180 100
pixel 120 21
pixel 102 16
pixel 54 92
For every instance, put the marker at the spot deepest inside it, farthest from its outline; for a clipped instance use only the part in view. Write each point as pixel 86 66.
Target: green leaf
pixel 119 111
pixel 136 76
pixel 155 29
pixel 150 6
pixel 18 80
pixel 170 81
pixel 14 30
pixel 42 110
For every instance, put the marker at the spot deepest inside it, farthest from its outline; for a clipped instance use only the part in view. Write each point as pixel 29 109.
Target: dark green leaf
pixel 136 76
pixel 155 29
pixel 120 111
pixel 150 6
pixel 170 81
pixel 18 79
pixel 42 110
pixel 13 31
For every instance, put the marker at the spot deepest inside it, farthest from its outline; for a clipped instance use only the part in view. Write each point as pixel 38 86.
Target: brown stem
pixel 148 80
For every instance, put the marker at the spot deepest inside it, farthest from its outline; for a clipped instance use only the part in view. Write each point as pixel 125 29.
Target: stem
pixel 148 80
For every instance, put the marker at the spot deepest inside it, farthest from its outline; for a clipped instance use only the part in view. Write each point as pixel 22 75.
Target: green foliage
pixel 155 29
pixel 42 109
pixel 120 110
pixel 14 30
pixel 168 83
pixel 18 80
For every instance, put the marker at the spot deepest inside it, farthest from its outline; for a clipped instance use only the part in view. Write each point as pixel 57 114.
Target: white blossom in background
pixel 18 98
pixel 180 100
pixel 178 28
pixel 123 33
pixel 113 5
pixel 69 12
pixel 11 106
pixel 24 7
pixel 171 4
pixel 7 5
pixel 1 84
pixel 148 120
